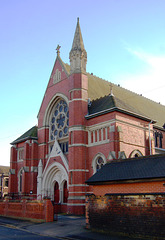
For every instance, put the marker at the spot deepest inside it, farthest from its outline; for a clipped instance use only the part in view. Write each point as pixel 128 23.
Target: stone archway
pixel 55 174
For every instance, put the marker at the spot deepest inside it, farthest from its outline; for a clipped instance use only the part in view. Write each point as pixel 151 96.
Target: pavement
pixel 65 227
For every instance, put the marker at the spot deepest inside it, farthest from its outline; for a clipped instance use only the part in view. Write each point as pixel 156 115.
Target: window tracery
pixel 99 163
pixel 59 121
pixel 158 139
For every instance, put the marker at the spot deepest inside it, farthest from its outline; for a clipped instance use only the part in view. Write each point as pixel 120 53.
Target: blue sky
pixel 124 40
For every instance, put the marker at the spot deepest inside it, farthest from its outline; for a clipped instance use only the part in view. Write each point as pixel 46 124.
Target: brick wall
pixel 134 187
pixel 135 214
pixel 38 210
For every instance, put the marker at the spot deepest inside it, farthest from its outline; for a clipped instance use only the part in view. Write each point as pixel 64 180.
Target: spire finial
pixel 78 55
pixel 58 49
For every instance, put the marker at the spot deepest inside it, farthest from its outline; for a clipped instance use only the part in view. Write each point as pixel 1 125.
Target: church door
pixel 56 193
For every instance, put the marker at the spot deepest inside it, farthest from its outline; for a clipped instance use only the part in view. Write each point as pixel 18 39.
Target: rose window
pixel 59 120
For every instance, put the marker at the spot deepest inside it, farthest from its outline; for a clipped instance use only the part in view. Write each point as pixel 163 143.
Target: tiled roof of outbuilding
pixel 149 167
pixel 30 134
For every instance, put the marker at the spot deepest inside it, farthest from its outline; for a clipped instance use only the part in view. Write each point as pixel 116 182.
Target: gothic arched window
pixel 98 161
pixel 59 120
pixel 135 153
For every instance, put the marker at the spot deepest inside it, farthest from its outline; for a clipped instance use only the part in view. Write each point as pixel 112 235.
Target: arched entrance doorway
pixel 54 185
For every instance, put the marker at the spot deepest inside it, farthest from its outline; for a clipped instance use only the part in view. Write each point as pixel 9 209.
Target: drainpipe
pixel 150 137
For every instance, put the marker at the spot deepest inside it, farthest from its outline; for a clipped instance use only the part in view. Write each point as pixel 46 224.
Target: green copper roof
pixel 30 134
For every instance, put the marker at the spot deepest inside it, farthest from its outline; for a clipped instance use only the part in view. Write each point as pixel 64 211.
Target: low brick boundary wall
pixel 135 214
pixel 25 209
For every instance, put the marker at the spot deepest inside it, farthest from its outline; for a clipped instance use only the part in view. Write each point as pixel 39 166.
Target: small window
pixel 20 154
pixel 63 146
pixel 158 139
pixel 99 164
pixel 98 161
pixel 6 182
pixel 20 181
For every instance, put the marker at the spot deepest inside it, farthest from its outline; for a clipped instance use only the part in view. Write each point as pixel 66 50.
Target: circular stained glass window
pixel 59 121
pixel 53 120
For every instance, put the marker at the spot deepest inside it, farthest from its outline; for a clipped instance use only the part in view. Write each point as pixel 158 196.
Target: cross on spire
pixel 58 49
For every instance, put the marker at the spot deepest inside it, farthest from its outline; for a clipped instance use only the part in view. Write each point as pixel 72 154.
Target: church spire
pixel 78 54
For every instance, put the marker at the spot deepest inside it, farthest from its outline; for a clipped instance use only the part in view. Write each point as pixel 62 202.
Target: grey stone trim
pixel 76 198
pixel 12 171
pixel 34 169
pixel 26 169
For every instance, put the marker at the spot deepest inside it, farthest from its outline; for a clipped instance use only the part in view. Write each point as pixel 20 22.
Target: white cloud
pixel 150 84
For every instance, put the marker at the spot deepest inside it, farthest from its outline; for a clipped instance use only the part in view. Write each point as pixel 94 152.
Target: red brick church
pixel 83 123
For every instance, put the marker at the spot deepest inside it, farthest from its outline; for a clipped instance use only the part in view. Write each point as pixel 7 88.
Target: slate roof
pixel 30 134
pixel 98 93
pixel 99 88
pixel 111 103
pixel 148 167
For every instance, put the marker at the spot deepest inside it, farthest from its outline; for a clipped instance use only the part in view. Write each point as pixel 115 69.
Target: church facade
pixel 83 123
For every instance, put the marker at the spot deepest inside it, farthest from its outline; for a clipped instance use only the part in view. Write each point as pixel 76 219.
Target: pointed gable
pixel 59 71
